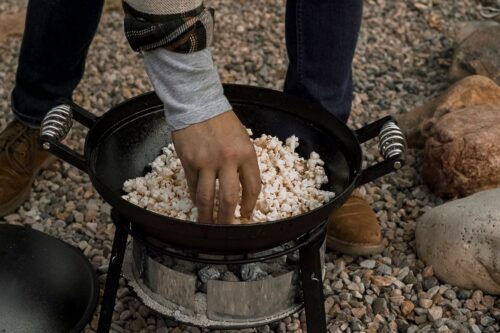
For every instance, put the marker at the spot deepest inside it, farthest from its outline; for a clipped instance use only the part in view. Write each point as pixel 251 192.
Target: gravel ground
pixel 402 59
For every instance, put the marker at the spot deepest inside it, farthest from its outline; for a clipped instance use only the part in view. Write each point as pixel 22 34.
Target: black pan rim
pixel 230 90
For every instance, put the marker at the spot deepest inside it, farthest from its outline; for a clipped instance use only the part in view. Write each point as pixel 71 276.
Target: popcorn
pixel 290 184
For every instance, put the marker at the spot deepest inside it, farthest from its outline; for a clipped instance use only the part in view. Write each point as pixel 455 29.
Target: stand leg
pixel 312 285
pixel 113 279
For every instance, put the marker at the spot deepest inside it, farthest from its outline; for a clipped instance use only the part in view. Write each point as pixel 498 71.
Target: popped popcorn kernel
pixel 290 184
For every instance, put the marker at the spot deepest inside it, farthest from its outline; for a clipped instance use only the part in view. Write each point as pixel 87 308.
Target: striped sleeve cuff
pixel 184 26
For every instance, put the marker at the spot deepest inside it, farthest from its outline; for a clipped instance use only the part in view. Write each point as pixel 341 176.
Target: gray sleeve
pixel 187 84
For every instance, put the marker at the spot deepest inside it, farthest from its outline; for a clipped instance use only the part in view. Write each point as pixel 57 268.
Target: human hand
pixel 219 148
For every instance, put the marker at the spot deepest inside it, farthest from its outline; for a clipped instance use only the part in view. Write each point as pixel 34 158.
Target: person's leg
pixel 56 40
pixel 321 38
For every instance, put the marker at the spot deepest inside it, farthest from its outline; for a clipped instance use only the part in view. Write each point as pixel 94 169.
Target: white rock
pixel 461 241
pixel 435 313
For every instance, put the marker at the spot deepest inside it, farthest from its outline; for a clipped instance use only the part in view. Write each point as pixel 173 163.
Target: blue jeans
pixel 321 38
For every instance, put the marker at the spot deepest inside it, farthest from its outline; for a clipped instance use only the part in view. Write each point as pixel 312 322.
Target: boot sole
pixel 354 249
pixel 24 195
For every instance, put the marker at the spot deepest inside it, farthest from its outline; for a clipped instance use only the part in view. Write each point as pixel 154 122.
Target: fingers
pixel 251 186
pixel 205 195
pixel 192 180
pixel 229 193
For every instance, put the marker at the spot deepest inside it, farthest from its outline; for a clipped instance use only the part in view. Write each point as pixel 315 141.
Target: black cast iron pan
pixel 46 285
pixel 120 145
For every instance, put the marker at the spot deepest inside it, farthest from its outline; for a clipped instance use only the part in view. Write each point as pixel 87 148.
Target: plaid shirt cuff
pixel 151 27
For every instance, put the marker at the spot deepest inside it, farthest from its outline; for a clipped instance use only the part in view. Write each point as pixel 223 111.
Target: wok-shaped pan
pixel 121 144
pixel 46 285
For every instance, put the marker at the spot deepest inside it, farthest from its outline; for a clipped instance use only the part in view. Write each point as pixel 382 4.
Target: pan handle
pixel 392 146
pixel 55 127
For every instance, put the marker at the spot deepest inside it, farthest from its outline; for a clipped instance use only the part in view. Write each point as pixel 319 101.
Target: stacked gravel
pixel 403 55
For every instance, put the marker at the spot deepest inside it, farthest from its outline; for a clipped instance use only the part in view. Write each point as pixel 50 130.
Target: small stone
pixel 403 273
pixel 83 245
pixel 464 294
pixel 356 325
pixel 209 273
pixel 425 303
pixel 410 278
pixel 397 300
pixel 438 299
pixel 12 218
pixel 125 315
pixel 427 272
pixel 38 226
pixel 407 307
pixel 338 285
pixel 444 329
pixel 252 272
pixel 470 304
pixel 477 296
pixel 412 329
pixel 454 325
pixel 329 302
pixel 381 281
pixel 475 329
pixel 450 294
pixel 143 311
pixel 384 269
pixel 358 312
pixel 92 226
pixel 379 306
pixel 78 216
pixel 433 291
pixel 368 264
pixel 435 313
pixel 230 277
pixel 353 286
pixel 430 283
pixel 487 321
pixel 488 301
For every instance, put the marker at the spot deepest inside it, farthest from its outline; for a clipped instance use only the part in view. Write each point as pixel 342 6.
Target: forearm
pixel 188 85
pixel 173 36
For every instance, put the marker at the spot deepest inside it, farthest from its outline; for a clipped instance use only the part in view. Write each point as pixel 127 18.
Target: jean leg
pixel 56 39
pixel 321 38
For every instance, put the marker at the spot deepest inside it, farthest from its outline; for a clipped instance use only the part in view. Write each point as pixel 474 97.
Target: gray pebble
pixel 379 306
pixel 368 264
pixel 429 283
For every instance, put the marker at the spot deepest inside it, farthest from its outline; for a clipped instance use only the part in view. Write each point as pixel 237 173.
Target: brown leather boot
pixel 353 229
pixel 21 158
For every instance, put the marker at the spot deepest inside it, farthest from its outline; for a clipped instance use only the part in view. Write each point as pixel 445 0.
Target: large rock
pixel 477 51
pixel 473 90
pixel 462 155
pixel 461 241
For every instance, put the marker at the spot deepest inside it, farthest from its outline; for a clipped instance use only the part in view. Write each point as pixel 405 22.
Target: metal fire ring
pixel 183 314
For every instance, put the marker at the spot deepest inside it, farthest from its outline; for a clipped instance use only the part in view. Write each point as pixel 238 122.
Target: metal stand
pixel 312 284
pixel 310 266
pixel 113 278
